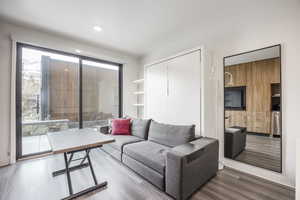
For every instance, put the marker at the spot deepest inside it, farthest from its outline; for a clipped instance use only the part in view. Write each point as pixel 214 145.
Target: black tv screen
pixel 235 98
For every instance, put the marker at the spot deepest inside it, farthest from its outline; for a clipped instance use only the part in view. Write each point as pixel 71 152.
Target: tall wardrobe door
pixel 156 92
pixel 183 90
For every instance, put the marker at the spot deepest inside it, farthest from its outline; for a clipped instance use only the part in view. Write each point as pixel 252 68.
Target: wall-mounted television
pixel 235 98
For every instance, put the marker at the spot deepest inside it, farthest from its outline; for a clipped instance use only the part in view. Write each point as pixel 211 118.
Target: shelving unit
pixel 138 81
pixel 138 105
pixel 139 93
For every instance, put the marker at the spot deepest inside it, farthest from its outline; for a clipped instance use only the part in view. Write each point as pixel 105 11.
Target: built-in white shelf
pixel 139 92
pixel 138 105
pixel 138 81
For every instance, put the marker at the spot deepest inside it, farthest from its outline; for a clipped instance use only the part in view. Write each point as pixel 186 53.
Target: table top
pixel 80 139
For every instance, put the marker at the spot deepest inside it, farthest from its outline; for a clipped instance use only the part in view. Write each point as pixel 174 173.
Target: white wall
pixel 298 167
pixel 35 37
pixel 260 26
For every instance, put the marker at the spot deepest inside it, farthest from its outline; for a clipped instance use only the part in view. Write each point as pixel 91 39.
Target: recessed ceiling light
pixel 97 28
pixel 78 50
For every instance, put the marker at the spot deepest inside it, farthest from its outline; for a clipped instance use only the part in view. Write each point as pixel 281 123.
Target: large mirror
pixel 252 108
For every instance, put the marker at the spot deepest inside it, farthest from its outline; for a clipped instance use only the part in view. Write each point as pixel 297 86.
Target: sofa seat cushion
pixel 121 140
pixel 149 153
pixel 112 151
pixel 146 172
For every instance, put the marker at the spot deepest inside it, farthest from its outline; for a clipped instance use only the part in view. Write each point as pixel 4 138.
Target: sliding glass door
pixel 49 97
pixel 58 91
pixel 100 93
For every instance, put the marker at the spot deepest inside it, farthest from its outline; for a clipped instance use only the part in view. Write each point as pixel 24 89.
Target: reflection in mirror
pixel 252 108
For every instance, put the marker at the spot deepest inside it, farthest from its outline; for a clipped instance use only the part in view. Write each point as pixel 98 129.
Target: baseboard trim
pixel 4 163
pixel 264 179
pixel 259 134
pixel 35 156
pixel 263 134
pixel 279 178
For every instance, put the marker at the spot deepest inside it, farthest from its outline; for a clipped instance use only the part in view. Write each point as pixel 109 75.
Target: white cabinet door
pixel 183 90
pixel 156 92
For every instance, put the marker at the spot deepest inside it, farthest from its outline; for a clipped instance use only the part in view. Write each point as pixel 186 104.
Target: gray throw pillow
pixel 170 135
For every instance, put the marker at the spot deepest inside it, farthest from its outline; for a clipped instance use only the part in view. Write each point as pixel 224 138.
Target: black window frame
pixel 19 46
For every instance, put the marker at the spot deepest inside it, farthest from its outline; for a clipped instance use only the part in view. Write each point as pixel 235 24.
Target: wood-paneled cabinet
pixel 236 118
pixel 258 77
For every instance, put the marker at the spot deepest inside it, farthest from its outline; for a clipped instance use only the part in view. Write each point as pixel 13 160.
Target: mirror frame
pixel 281 109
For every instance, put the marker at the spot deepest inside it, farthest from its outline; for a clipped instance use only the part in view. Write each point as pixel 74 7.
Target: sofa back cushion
pixel 170 135
pixel 140 128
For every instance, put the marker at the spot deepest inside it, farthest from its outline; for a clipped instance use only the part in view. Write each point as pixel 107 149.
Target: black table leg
pixel 91 167
pixel 81 165
pixel 87 152
pixel 73 168
pixel 70 159
pixel 68 174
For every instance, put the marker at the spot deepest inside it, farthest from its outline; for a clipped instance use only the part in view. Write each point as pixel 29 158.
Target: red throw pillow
pixel 120 127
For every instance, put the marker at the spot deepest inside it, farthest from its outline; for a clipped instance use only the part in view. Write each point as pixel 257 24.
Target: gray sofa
pixel 168 156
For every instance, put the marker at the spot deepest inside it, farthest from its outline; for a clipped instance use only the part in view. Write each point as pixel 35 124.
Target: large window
pixel 100 89
pixel 58 91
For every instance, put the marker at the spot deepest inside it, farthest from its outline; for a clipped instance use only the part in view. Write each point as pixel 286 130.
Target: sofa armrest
pixel 104 129
pixel 197 137
pixel 190 165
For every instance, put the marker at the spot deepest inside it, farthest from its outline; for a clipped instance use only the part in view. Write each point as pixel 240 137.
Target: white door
pixel 183 90
pixel 156 92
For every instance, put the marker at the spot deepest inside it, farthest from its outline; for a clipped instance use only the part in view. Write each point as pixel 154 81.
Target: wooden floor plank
pixel 32 180
pixel 263 184
pixel 262 151
pixel 251 191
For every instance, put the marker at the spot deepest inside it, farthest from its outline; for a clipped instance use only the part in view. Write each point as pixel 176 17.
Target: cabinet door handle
pixel 168 90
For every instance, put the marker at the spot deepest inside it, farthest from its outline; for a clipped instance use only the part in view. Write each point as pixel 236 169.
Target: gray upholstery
pixel 170 135
pixel 190 165
pixel 149 153
pixel 115 149
pixel 121 140
pixel 171 159
pixel 140 128
pixel 234 141
pixel 151 175
pixel 104 129
pixel 112 151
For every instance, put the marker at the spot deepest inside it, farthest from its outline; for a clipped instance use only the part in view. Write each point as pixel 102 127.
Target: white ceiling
pixel 132 26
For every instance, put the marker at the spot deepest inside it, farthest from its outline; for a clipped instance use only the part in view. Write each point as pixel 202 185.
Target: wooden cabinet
pixel 258 78
pixel 235 76
pixel 259 122
pixel 235 118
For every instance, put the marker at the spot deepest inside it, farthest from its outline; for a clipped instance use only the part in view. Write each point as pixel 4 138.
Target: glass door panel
pixel 49 97
pixel 100 93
